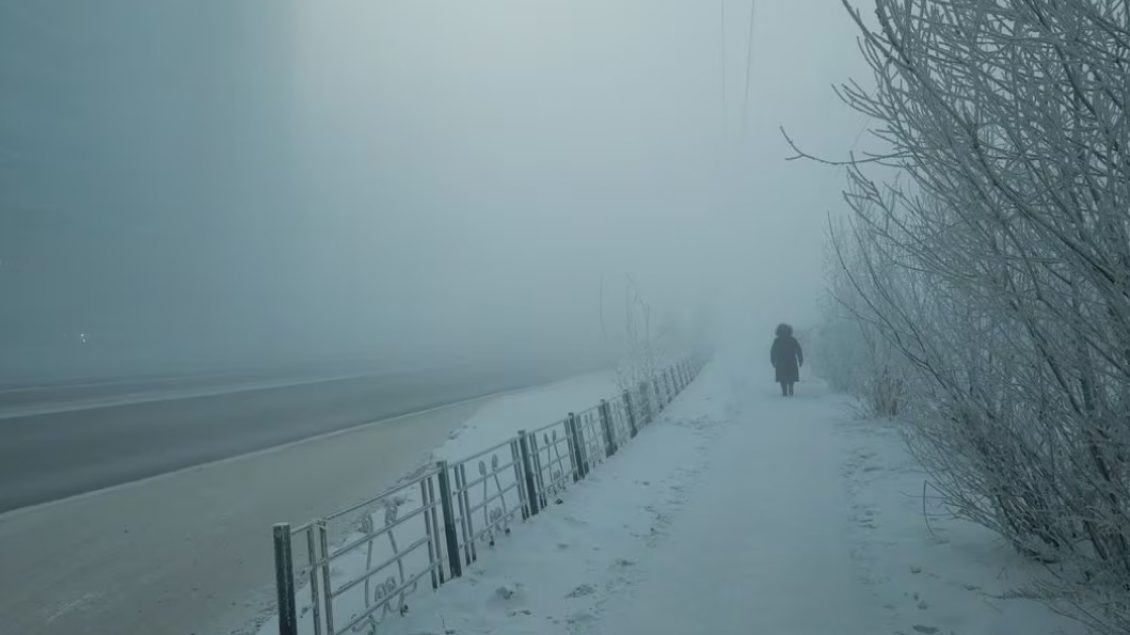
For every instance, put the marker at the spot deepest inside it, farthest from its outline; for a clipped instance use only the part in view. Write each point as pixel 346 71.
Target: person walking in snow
pixel 787 358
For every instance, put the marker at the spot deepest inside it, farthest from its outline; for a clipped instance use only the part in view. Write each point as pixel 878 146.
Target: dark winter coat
pixel 787 358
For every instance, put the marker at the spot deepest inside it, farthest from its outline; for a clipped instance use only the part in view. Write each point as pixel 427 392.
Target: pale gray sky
pixel 364 176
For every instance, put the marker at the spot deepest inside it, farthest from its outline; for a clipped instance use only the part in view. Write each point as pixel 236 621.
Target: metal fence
pixel 360 564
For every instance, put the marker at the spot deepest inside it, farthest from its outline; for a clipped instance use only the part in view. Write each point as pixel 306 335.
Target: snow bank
pixel 931 572
pixel 399 517
pixel 502 417
pixel 559 572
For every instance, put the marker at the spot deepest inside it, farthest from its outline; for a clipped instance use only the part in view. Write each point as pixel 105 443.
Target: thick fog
pixel 206 185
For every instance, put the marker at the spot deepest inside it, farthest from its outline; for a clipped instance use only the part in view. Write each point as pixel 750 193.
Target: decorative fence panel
pixel 555 459
pixel 490 495
pixel 359 565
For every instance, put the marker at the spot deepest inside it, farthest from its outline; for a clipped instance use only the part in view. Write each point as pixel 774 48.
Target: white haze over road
pixel 195 185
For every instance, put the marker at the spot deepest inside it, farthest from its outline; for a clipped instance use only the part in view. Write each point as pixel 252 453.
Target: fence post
pixel 535 460
pixel 516 460
pixel 468 521
pixel 658 395
pixel 606 425
pixel 574 451
pixel 579 444
pixel 584 447
pixel 315 598
pixel 531 486
pixel 324 557
pixel 284 580
pixel 449 534
pixel 631 412
pixel 670 383
pixel 431 531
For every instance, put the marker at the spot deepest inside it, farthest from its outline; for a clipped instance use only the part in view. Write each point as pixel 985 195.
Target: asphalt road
pixel 189 552
pixel 51 455
pixel 28 399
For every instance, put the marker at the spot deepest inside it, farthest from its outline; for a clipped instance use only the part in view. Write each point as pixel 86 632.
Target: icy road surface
pixel 190 551
pixel 55 447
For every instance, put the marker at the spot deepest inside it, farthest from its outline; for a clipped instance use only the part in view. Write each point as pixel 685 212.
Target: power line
pixel 722 6
pixel 748 64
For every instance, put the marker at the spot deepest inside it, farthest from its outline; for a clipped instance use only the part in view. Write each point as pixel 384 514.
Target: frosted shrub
pixel 996 262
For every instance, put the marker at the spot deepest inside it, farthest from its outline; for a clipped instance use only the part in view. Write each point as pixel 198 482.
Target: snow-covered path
pixel 742 512
pixel 766 529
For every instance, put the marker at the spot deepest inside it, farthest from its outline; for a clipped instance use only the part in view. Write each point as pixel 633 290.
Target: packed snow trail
pixel 766 530
pixel 743 512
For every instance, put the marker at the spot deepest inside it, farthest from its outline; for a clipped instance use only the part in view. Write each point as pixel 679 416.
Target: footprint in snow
pixel 581 591
pixel 506 597
pixel 925 630
pixel 580 620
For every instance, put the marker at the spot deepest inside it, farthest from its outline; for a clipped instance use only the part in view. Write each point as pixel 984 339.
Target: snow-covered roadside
pixel 931 572
pixel 502 417
pixel 495 421
pixel 742 512
pixel 559 572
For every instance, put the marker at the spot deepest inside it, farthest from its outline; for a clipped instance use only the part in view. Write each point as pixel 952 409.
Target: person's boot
pixel 784 389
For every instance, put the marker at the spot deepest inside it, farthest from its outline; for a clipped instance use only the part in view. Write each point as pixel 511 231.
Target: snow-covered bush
pixel 646 349
pixel 997 264
pixel 851 352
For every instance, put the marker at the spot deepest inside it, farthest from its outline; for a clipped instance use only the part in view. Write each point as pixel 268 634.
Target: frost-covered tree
pixel 645 348
pixel 851 352
pixel 997 264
